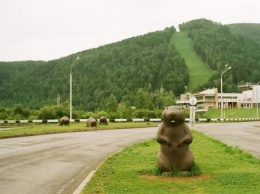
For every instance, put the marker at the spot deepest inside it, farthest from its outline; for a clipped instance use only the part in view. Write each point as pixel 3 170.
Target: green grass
pixel 39 129
pixel 231 113
pixel 223 169
pixel 199 72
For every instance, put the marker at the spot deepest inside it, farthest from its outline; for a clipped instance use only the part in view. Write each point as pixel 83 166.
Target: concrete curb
pixel 90 175
pixel 84 182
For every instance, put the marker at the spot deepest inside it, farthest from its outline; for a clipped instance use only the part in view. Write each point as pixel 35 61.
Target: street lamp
pixel 71 87
pixel 257 100
pixel 221 82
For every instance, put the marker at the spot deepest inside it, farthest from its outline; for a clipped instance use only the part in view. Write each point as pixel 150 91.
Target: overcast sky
pixel 50 29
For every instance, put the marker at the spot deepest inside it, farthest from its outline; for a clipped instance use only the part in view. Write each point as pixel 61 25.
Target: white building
pixel 249 97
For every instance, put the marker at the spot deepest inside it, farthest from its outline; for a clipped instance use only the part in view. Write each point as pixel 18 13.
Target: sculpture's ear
pixel 163 115
pixel 163 118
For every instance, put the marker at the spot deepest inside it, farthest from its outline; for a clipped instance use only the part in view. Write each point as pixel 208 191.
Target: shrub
pixel 47 112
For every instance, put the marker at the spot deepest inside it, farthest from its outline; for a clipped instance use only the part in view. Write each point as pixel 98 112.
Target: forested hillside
pixel 217 46
pixel 144 71
pixel 251 31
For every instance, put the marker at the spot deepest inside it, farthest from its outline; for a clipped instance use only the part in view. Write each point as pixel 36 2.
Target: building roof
pixel 209 91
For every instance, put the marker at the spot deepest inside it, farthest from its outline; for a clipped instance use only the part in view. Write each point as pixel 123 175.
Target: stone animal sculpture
pixel 174 137
pixel 64 121
pixel 91 122
pixel 103 120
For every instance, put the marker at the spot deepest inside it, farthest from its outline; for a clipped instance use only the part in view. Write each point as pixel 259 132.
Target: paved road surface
pixel 53 164
pixel 245 135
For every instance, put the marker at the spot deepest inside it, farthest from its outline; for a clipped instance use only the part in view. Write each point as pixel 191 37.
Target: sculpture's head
pixel 173 114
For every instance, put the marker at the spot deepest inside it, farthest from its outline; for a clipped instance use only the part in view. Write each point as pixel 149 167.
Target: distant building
pixel 251 98
pixel 245 87
pixel 207 99
pixel 230 100
pixel 248 97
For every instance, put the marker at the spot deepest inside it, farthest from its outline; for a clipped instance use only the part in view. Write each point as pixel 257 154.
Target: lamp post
pixel 257 100
pixel 221 83
pixel 71 87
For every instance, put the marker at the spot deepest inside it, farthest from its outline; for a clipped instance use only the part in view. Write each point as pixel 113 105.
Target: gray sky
pixel 50 29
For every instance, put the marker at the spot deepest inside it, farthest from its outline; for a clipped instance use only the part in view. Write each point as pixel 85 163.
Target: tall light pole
pixel 71 87
pixel 221 82
pixel 257 100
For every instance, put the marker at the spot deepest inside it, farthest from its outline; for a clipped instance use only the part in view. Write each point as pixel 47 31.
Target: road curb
pixel 84 182
pixel 87 179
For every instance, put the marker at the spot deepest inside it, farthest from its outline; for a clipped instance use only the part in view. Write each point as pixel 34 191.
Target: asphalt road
pixel 244 135
pixel 53 164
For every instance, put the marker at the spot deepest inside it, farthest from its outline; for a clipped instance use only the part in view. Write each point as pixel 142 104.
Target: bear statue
pixel 174 137
pixel 64 121
pixel 103 120
pixel 91 122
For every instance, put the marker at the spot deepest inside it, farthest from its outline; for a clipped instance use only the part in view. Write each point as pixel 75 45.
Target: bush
pixel 90 114
pixel 145 113
pixel 3 116
pixel 47 112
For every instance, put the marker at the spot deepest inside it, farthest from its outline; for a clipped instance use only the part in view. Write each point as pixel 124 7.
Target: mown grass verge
pixel 231 113
pixel 222 169
pixel 40 129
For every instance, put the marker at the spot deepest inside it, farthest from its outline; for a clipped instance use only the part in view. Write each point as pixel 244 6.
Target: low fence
pixel 40 121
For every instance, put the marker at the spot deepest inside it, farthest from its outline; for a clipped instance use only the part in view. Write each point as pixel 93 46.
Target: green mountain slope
pixel 146 71
pixel 121 72
pixel 217 47
pixel 251 31
pixel 199 72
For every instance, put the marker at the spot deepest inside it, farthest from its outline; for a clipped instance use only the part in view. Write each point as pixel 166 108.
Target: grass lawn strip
pixel 40 129
pixel 224 169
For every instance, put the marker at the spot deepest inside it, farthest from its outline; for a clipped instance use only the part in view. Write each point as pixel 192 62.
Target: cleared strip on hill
pixel 199 72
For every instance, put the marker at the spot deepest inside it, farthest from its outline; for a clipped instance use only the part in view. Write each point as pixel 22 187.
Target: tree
pixel 19 110
pixel 111 104
pixel 125 110
pixel 143 100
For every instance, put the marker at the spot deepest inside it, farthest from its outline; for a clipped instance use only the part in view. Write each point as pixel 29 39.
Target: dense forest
pixel 218 47
pixel 146 65
pixel 249 30
pixel 145 72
